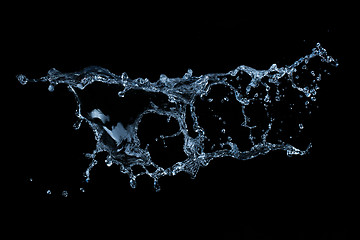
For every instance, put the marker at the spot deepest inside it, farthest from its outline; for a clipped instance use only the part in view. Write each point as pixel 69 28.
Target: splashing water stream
pixel 274 94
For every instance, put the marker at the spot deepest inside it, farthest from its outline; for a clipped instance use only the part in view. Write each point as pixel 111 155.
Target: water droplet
pixel 301 126
pixel 223 130
pixel 163 78
pixel 48 192
pixel 108 162
pixel 210 100
pixel 121 94
pixel 22 79
pixel 82 189
pixel 65 193
pixel 124 76
pixel 156 185
pixel 267 98
pixel 188 74
pixel 51 88
pixel 132 183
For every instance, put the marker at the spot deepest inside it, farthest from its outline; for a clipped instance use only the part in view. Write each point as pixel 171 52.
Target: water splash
pixel 263 102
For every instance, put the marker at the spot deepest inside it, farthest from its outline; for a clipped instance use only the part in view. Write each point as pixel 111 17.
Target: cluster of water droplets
pixel 248 93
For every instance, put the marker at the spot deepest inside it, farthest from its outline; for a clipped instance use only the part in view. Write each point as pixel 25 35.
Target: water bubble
pixel 48 192
pixel 223 130
pixel 301 126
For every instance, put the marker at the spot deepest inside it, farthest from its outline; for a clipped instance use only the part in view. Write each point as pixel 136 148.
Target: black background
pixel 270 197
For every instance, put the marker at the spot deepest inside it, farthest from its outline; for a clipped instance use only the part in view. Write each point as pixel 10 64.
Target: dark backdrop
pixel 269 197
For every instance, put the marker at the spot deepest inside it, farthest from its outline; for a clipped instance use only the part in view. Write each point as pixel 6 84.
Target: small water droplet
pixel 156 185
pixel 48 192
pixel 188 74
pixel 163 78
pixel 108 162
pixel 124 76
pixel 132 183
pixel 210 100
pixel 51 88
pixel 65 193
pixel 22 79
pixel 301 126
pixel 223 130
pixel 82 189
